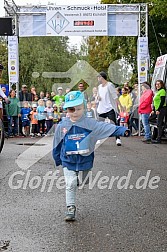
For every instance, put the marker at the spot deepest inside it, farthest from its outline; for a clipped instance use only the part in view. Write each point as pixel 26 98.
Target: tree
pixel 4 60
pixel 44 54
pixel 40 54
pixel 101 54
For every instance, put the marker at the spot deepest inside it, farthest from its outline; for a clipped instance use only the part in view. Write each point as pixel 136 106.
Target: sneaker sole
pixel 119 144
pixel 147 142
pixel 69 219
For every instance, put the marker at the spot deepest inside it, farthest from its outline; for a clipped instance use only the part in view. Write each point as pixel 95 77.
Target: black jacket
pixel 24 96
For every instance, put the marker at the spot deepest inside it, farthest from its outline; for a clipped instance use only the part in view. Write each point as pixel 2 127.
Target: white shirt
pixel 2 93
pixel 108 97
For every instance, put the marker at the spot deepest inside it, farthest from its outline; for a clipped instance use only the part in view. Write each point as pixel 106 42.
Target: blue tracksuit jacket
pixel 74 143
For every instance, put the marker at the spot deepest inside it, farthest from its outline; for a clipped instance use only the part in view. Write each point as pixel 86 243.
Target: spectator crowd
pixel 35 115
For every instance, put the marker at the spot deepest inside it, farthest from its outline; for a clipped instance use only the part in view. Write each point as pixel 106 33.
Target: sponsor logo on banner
pixel 58 22
pixel 142 59
pixel 76 20
pixel 13 61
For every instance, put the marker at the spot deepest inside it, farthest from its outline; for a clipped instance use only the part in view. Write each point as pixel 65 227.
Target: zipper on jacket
pixel 77 168
pixel 74 131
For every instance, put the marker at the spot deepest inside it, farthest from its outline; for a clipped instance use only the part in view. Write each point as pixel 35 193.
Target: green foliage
pixel 44 54
pixel 156 7
pixel 40 54
pixel 99 55
pixel 52 54
pixel 104 50
pixel 4 60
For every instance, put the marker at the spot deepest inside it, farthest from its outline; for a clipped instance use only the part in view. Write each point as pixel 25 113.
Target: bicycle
pixel 2 129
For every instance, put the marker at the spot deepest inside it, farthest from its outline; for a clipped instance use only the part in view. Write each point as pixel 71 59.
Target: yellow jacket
pixel 126 101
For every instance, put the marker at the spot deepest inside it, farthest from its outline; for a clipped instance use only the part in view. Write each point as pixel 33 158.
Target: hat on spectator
pixel 73 98
pixel 34 106
pixel 102 74
pixel 24 86
pixel 59 88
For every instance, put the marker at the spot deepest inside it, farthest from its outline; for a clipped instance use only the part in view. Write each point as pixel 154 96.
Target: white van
pixel 160 71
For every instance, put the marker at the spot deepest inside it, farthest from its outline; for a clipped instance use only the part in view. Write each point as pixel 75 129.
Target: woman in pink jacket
pixel 145 109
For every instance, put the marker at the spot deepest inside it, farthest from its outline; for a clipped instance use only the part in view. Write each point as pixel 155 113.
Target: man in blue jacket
pixel 74 144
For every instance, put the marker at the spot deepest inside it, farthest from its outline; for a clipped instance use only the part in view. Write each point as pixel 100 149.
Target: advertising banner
pixel 123 24
pixel 143 57
pixel 160 70
pixel 80 20
pixel 13 59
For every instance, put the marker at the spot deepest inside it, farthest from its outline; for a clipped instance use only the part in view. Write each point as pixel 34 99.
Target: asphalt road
pixel 118 214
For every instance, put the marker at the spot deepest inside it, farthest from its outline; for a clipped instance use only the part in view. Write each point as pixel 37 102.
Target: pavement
pixel 117 214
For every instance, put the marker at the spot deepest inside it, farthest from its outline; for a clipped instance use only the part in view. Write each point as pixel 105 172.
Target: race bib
pixel 25 117
pixel 77 143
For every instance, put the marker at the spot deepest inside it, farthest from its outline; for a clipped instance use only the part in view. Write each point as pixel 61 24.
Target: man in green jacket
pixel 13 112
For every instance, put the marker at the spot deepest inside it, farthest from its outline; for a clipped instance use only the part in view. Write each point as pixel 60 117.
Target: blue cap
pixel 73 98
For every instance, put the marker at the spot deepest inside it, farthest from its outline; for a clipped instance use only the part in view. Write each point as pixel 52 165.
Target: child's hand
pixel 127 133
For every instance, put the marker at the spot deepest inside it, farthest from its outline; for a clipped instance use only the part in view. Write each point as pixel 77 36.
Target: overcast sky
pixel 73 40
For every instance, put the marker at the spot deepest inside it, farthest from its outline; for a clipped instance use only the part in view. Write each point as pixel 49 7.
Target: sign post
pixel 142 59
pixel 13 61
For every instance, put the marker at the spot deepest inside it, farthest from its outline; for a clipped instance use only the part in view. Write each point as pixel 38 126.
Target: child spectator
pixel 25 111
pixel 94 108
pixel 89 111
pixel 34 121
pixel 52 95
pixel 36 98
pixel 56 114
pixel 41 116
pixel 59 98
pixel 74 143
pixel 124 117
pixel 94 96
pixel 63 113
pixel 47 96
pixel 125 100
pixel 49 116
pixel 41 95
